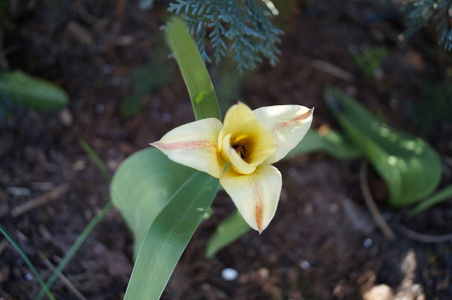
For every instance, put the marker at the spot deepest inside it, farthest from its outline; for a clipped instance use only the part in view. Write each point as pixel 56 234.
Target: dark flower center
pixel 241 149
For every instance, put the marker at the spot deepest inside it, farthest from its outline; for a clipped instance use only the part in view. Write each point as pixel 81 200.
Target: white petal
pixel 287 123
pixel 256 195
pixel 195 145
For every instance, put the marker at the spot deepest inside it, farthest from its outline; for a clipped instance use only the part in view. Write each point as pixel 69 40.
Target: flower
pixel 241 152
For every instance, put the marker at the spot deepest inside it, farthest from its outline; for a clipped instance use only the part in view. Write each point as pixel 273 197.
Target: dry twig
pixel 40 200
pixel 63 278
pixel 371 203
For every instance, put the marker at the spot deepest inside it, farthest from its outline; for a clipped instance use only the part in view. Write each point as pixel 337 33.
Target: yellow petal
pixel 195 145
pixel 256 195
pixel 287 123
pixel 243 141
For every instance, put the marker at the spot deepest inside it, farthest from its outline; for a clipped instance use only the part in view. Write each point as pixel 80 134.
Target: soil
pixel 323 242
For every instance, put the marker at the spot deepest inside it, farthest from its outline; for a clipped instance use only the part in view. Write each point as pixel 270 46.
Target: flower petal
pixel 242 129
pixel 256 195
pixel 195 145
pixel 287 123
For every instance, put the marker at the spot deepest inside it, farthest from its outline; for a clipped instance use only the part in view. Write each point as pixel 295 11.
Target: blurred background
pixel 124 91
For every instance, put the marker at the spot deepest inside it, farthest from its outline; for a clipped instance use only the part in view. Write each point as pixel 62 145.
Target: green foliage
pixel 31 92
pixel 96 159
pixel 442 195
pixel 409 166
pixel 194 72
pixel 331 142
pixel 143 186
pixel 419 13
pixel 26 260
pixel 370 60
pixel 168 236
pixel 227 232
pixel 242 26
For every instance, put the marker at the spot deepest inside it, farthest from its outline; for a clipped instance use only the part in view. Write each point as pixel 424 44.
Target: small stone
pixel 229 274
pixel 305 265
pixel 65 116
pixel 379 292
pixel 367 242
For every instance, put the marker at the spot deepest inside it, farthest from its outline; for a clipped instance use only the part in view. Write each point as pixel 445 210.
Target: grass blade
pixel 74 248
pixel 27 261
pixel 168 236
pixel 194 72
pixel 96 159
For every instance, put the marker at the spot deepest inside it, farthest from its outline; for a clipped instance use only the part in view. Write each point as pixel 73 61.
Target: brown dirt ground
pixel 322 243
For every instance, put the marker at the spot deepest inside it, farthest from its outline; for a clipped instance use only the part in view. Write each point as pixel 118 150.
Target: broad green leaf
pixel 333 143
pixel 142 186
pixel 436 198
pixel 194 72
pixel 168 236
pixel 32 92
pixel 227 232
pixel 26 260
pixel 409 166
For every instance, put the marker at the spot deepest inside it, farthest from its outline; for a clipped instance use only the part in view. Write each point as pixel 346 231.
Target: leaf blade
pixel 154 179
pixel 226 233
pixel 333 143
pixel 442 195
pixel 31 91
pixel 168 236
pixel 409 166
pixel 194 72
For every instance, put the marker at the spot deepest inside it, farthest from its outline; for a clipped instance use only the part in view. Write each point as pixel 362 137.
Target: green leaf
pixel 436 198
pixel 409 166
pixel 333 143
pixel 227 232
pixel 142 186
pixel 194 72
pixel 26 259
pixel 168 236
pixel 32 92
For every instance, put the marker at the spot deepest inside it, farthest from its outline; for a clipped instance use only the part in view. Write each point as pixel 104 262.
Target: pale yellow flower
pixel 240 153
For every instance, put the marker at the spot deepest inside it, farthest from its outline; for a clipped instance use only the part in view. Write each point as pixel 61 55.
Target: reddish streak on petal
pixel 259 207
pixel 205 145
pixel 292 122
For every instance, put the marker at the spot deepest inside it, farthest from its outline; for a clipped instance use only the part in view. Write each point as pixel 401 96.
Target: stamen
pixel 241 149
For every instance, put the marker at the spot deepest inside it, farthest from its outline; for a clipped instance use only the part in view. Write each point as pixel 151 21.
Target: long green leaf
pixel 333 143
pixel 142 186
pixel 26 259
pixel 442 195
pixel 194 72
pixel 32 92
pixel 409 166
pixel 168 236
pixel 74 248
pixel 227 232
